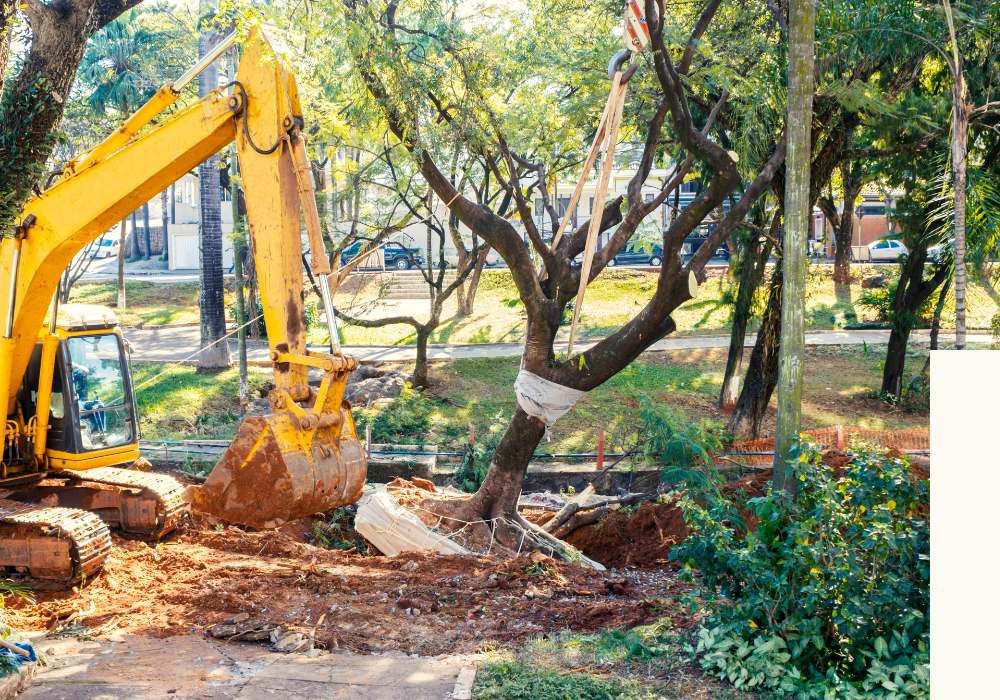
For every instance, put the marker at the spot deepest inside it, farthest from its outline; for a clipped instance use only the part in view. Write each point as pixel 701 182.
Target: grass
pixel 644 662
pixel 611 301
pixel 614 298
pixel 840 387
pixel 177 402
pixel 146 303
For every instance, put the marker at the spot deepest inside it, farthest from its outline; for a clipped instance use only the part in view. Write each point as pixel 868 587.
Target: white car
pixel 886 250
pixel 107 248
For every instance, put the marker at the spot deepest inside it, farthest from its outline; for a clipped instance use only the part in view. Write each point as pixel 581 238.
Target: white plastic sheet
pixel 542 399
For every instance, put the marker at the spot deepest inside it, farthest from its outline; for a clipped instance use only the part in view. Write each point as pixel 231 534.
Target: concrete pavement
pixel 180 344
pixel 193 666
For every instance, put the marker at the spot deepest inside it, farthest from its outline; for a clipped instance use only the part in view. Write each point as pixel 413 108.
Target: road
pixel 179 344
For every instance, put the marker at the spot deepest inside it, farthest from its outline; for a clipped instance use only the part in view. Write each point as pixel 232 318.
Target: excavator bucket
pixel 276 471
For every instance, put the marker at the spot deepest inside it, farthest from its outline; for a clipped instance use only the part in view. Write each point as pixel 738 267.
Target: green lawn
pixel 611 300
pixel 614 298
pixel 840 383
pixel 146 303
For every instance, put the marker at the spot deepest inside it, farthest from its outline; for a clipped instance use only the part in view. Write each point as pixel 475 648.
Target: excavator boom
pixel 304 456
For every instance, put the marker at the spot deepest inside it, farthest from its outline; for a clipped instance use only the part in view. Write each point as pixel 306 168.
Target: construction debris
pixel 393 529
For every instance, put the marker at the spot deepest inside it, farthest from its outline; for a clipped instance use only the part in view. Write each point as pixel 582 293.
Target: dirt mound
pixel 642 538
pixel 417 603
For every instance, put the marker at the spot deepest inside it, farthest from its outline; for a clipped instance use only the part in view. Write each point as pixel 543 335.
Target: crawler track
pixel 60 546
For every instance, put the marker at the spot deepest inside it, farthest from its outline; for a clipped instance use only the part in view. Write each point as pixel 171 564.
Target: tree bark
pixel 420 365
pixel 33 102
pixel 165 223
pixel 959 163
pixel 751 274
pixel 121 266
pixel 912 291
pixel 762 371
pixel 215 351
pixel 146 238
pixel 938 309
pixel 798 216
pixel 843 227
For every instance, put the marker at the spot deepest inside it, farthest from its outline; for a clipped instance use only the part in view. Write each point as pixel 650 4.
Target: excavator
pixel 71 465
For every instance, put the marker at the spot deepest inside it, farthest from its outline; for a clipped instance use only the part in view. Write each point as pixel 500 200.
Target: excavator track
pixel 139 504
pixel 55 545
pixel 152 505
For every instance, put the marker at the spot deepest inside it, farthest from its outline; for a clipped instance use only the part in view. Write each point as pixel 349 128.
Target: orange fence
pixel 839 437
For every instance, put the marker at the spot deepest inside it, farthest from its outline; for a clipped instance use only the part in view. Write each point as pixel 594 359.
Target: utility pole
pixel 801 59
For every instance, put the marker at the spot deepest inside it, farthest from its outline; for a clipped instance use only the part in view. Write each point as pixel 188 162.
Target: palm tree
pixel 215 350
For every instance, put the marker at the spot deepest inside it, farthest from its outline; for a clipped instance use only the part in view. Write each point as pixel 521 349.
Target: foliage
pixel 881 301
pixel 995 330
pixel 479 455
pixel 336 531
pixel 682 448
pixel 406 416
pixel 828 596
pixel 513 680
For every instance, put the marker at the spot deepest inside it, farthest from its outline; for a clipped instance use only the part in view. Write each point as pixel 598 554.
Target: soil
pixel 415 603
pixel 643 537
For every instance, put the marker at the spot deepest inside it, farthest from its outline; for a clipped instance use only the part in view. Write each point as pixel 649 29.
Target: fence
pixel 759 452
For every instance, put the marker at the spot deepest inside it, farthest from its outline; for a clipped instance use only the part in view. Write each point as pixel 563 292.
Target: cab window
pixel 98 384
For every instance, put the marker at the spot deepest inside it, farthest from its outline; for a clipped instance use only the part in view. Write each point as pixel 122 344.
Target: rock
pixel 874 282
pixel 364 388
pixel 290 642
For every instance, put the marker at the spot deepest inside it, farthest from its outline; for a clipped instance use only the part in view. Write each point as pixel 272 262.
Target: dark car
pixel 638 254
pixel 397 256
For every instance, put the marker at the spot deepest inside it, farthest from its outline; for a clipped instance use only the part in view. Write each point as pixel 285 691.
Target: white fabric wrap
pixel 542 399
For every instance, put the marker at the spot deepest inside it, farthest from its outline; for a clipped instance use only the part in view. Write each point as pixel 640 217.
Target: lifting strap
pixel 636 37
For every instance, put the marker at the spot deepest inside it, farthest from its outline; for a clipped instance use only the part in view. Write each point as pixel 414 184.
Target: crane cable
pixel 620 70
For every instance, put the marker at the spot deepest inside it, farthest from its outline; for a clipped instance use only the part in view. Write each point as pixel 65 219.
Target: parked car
pixel 693 243
pixel 638 254
pixel 883 250
pixel 107 248
pixel 397 256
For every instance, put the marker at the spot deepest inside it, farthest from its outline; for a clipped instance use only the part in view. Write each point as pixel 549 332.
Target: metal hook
pixel 618 61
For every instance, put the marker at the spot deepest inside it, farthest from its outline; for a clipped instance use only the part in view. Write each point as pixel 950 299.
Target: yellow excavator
pixel 71 465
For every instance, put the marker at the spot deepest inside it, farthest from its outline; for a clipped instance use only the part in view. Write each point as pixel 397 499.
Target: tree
pixel 33 101
pixel 211 299
pixel 798 216
pixel 411 71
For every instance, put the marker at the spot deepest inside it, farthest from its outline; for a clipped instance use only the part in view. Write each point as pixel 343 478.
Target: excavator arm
pixel 303 457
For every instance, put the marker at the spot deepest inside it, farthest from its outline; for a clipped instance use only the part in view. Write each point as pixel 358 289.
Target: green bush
pixel 406 416
pixel 881 301
pixel 828 595
pixel 682 449
pixel 478 456
pixel 995 330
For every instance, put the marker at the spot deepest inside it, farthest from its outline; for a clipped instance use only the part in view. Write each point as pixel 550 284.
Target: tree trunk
pixel 844 231
pixel 959 161
pixel 215 351
pixel 498 494
pixel 165 223
pixel 938 309
pixel 7 9
pixel 762 372
pixel 133 239
pixel 146 238
pixel 751 274
pixel 912 291
pixel 121 266
pixel 798 216
pixel 420 366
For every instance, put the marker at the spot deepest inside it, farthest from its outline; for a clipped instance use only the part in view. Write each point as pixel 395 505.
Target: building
pixel 872 219
pixel 182 226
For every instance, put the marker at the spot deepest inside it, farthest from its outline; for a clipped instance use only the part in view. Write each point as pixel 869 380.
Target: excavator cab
pixel 92 414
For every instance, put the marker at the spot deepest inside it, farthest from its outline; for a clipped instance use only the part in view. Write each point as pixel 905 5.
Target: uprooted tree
pixel 429 77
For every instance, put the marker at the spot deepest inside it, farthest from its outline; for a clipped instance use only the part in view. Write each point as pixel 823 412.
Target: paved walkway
pixel 179 343
pixel 192 666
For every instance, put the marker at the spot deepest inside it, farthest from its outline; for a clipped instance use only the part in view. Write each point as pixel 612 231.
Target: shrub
pixel 405 416
pixel 995 330
pixel 682 449
pixel 881 301
pixel 828 595
pixel 478 456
